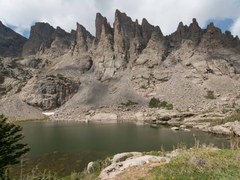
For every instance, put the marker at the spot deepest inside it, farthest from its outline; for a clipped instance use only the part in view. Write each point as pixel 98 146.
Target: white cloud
pixel 236 27
pixel 165 13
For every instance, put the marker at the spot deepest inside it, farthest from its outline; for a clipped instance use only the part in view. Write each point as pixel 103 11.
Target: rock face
pixel 44 39
pixel 11 43
pixel 192 32
pixel 125 45
pixel 39 40
pixel 49 92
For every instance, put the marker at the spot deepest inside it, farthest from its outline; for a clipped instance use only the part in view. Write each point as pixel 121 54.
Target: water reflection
pixel 64 147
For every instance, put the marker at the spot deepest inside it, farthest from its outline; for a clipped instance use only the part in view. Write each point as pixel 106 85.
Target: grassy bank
pixel 200 163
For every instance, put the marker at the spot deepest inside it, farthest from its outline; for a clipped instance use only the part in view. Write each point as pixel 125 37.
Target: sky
pixel 20 15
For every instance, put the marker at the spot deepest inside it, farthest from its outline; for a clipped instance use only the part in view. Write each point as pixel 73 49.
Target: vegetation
pixel 60 76
pixel 156 103
pixel 210 95
pixel 11 149
pixel 234 117
pixel 129 103
pixel 90 174
pixel 199 163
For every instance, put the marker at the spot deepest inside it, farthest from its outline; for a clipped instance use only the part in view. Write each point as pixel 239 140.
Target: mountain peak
pixel 102 26
pixel 11 43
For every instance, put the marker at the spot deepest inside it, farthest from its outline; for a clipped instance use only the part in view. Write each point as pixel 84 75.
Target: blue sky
pixel 21 14
pixel 224 25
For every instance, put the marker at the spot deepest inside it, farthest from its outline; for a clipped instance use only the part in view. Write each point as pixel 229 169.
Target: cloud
pixel 236 27
pixel 165 13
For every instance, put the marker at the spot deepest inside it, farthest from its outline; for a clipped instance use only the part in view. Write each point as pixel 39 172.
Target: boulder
pixel 175 128
pixel 114 169
pixel 91 167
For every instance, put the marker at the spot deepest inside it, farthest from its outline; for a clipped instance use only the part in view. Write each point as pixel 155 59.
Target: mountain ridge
pixel 69 72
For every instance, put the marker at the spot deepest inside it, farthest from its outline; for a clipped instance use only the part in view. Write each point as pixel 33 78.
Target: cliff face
pixel 11 43
pixel 129 61
pixel 45 40
pixel 124 45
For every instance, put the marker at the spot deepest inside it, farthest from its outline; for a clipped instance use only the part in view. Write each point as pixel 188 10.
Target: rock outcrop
pixel 39 40
pixel 45 40
pixel 49 92
pixel 11 43
pixel 120 162
pixel 192 32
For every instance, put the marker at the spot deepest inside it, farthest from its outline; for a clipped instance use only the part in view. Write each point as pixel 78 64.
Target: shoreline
pixel 153 117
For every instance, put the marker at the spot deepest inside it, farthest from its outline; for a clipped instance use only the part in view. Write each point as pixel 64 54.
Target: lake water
pixel 64 147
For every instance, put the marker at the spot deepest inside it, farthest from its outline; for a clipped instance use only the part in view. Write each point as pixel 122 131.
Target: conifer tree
pixel 11 147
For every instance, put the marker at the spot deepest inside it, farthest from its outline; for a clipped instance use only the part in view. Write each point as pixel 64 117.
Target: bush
pixel 156 103
pixel 210 95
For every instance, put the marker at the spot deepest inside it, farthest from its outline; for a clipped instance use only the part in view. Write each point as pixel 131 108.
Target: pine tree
pixel 11 149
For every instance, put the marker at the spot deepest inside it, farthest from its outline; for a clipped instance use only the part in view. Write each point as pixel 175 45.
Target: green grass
pixel 200 164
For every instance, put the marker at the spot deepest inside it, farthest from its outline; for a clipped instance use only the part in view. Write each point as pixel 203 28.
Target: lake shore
pixel 217 121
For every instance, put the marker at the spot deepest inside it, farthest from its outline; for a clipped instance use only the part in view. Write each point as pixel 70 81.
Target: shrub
pixel 210 95
pixel 156 103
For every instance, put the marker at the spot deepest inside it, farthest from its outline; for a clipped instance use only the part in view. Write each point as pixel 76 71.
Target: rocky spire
pixel 157 34
pixel 147 30
pixel 40 37
pixel 179 34
pixel 212 38
pixel 83 38
pixel 195 32
pixel 124 31
pixel 102 26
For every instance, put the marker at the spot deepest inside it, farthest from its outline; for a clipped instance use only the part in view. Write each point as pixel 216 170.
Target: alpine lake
pixel 65 147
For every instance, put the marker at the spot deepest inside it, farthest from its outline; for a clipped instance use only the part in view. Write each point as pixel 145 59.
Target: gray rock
pixel 123 156
pixel 40 39
pixel 49 92
pixel 116 168
pixel 90 167
pixel 175 128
